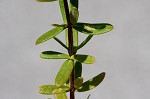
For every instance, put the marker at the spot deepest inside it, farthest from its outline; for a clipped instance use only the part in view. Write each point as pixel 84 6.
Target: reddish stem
pixel 70 50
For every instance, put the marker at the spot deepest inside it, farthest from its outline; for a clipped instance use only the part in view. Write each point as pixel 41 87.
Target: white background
pixel 124 53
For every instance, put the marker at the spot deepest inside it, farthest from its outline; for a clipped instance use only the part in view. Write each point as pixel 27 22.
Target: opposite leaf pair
pixel 67 67
pixel 86 59
pixel 86 86
pixel 86 28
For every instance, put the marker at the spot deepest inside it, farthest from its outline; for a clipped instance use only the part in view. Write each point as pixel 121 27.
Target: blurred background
pixel 124 53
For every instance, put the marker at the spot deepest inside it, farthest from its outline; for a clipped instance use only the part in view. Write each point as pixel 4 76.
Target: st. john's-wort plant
pixel 69 78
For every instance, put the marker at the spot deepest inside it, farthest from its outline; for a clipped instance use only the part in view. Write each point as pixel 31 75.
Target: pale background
pixel 124 53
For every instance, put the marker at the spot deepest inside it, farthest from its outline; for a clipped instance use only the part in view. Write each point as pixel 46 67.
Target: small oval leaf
pixel 52 89
pixel 64 73
pixel 74 14
pixel 92 83
pixel 53 55
pixel 78 70
pixel 86 59
pixel 74 3
pixel 75 38
pixel 60 96
pixel 93 29
pixel 78 82
pixel 46 0
pixel 50 34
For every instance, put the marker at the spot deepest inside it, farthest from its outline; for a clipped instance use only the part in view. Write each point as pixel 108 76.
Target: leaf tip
pixel 94 60
pixel 103 73
pixel 111 27
pixel 36 43
pixel 40 90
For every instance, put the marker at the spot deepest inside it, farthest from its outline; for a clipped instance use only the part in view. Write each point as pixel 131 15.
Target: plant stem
pixel 70 50
pixel 60 42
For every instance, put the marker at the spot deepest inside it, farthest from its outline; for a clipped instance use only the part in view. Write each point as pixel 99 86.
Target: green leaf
pixel 52 89
pixel 61 96
pixel 66 37
pixel 92 83
pixel 62 9
pixel 64 73
pixel 53 55
pixel 75 38
pixel 62 89
pixel 78 82
pixel 84 42
pixel 78 70
pixel 46 89
pixel 74 3
pixel 74 14
pixel 50 34
pixel 46 0
pixel 93 29
pixel 86 59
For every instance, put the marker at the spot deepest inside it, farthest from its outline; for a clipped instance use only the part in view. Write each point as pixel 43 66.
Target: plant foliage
pixel 73 63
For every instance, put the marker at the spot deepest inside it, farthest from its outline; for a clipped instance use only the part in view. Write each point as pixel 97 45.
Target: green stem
pixel 84 42
pixel 60 42
pixel 70 50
